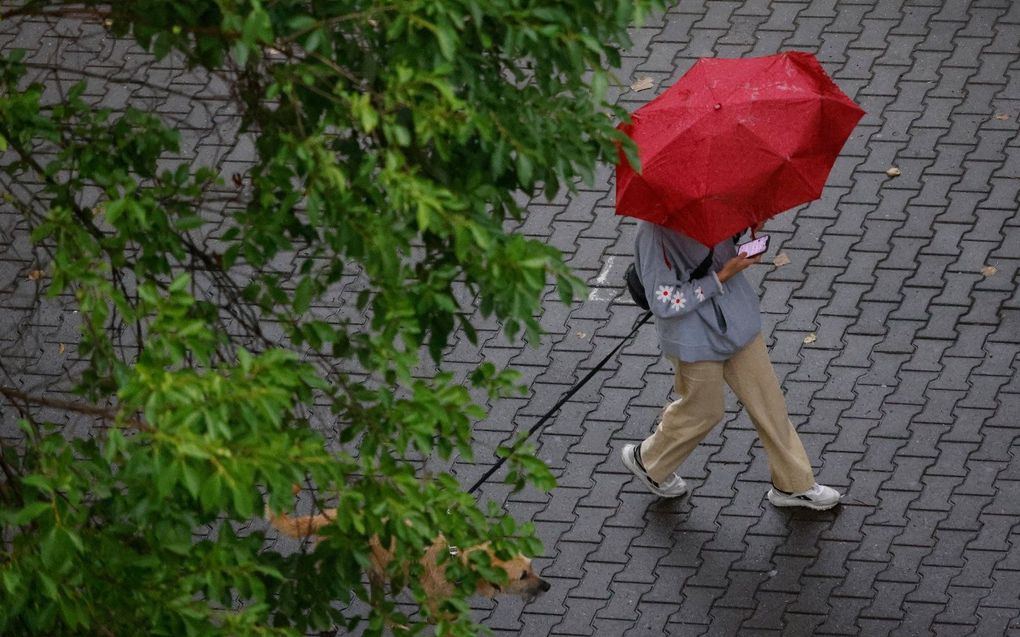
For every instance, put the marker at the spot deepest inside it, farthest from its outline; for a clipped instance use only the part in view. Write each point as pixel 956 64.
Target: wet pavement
pixel 908 399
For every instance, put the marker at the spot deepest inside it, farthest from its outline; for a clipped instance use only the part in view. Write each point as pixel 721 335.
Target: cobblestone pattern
pixel 908 400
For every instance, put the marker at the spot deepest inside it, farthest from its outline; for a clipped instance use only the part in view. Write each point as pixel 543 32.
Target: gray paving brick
pixel 964 516
pixel 654 618
pixel 843 619
pixel 918 618
pixel 960 611
pixel 888 602
pixel 539 624
pixel 999 620
pixel 1004 590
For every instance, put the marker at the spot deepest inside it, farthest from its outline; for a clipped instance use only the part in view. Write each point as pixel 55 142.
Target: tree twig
pixel 81 408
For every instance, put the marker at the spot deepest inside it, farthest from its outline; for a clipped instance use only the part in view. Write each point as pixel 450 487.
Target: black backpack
pixel 634 286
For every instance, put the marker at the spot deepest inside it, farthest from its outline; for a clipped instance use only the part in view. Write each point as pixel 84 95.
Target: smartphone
pixel 754 247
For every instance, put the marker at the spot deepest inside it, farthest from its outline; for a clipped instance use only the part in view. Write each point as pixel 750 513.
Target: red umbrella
pixel 733 143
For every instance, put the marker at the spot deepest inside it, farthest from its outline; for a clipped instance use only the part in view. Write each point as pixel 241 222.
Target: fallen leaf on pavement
pixel 894 172
pixel 989 270
pixel 643 84
pixel 61 348
pixel 35 275
pixel 1002 117
pixel 811 338
pixel 780 259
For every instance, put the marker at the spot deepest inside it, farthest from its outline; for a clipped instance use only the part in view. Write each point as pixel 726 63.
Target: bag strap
pixel 697 272
pixel 703 267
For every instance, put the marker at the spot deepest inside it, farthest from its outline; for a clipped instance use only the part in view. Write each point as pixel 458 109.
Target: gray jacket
pixel 697 320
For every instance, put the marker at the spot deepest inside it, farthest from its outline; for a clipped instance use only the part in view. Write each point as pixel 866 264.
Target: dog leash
pixel 563 399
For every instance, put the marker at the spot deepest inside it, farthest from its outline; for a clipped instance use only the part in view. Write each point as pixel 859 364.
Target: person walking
pixel 708 320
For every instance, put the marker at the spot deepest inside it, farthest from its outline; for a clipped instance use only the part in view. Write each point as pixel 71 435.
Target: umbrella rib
pixel 785 101
pixel 765 146
pixel 761 71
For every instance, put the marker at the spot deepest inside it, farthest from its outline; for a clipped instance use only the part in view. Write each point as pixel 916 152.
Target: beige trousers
pixel 701 406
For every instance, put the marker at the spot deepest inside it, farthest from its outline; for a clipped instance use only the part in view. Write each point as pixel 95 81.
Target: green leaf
pixel 447 42
pixel 525 169
pixel 423 218
pixel 240 51
pixel 599 86
pixel 180 284
pixel 400 135
pixel 257 27
pixel 11 580
pixel 303 295
pixel 211 493
pixel 31 511
pixel 302 23
pixel 166 479
pixel 114 210
pixel 49 587
pixel 244 502
pixel 191 477
pixel 57 550
pixel 189 222
pixel 40 482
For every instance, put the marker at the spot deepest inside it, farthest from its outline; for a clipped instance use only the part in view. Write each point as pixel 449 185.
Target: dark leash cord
pixel 563 399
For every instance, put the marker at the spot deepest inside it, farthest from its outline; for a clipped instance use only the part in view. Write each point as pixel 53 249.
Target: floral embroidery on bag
pixel 679 302
pixel 699 293
pixel 664 293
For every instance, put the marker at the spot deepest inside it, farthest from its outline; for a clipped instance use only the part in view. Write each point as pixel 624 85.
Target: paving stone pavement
pixel 908 400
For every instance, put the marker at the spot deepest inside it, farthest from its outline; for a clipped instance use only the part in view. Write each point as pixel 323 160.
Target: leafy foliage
pixel 390 140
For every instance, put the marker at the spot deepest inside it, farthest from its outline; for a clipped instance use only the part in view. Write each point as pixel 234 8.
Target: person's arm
pixel 737 264
pixel 668 292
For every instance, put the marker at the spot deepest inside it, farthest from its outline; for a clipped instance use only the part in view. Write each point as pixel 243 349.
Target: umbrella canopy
pixel 734 142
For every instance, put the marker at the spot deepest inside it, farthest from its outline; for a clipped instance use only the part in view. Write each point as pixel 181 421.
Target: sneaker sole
pixel 807 504
pixel 629 461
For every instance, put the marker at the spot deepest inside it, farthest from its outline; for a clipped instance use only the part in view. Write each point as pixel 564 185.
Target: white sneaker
pixel 818 497
pixel 672 487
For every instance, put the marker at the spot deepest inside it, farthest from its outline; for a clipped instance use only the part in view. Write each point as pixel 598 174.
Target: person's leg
pixel 685 422
pixel 751 376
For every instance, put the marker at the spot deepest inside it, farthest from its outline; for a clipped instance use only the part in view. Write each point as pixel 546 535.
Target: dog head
pixel 521 578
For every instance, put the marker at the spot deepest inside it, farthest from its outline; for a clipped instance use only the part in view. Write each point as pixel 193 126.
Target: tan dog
pixel 521 577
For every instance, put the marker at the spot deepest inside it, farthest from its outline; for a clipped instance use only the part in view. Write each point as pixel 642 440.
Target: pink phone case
pixel 754 247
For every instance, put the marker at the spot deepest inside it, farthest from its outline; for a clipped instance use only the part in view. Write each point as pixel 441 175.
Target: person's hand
pixel 737 264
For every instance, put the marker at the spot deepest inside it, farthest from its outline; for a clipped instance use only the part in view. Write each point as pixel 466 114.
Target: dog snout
pixel 543 585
